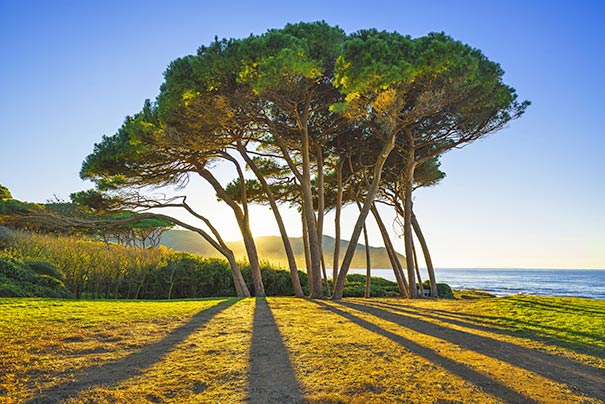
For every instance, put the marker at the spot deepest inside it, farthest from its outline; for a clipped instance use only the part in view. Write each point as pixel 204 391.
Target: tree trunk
pixel 241 289
pixel 320 215
pixel 171 280
pixel 409 260
pixel 427 256
pixel 324 273
pixel 417 268
pixel 298 292
pixel 314 244
pixel 369 200
pixel 250 245
pixel 137 295
pixel 366 241
pixel 407 228
pixel 368 262
pixel 337 222
pixel 244 225
pixel 397 270
pixel 305 234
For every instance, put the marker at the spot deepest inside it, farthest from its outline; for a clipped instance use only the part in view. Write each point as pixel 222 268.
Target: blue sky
pixel 531 195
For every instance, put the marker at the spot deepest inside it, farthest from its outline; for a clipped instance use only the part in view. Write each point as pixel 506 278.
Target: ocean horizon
pixel 589 283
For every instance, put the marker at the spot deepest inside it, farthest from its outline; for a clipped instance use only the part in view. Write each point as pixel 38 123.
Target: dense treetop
pixel 309 108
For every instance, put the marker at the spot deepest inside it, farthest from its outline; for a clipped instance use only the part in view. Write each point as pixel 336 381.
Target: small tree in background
pixel 4 192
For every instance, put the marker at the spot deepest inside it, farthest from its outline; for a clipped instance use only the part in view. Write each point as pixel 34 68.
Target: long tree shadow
pixel 586 379
pixel 132 365
pixel 466 320
pixel 271 378
pixel 485 383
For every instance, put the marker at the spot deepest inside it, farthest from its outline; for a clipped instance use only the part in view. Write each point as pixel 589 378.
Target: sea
pixel 588 283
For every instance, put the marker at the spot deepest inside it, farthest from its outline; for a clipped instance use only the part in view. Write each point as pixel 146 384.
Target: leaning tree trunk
pixel 241 289
pixel 368 262
pixel 369 200
pixel 238 280
pixel 244 226
pixel 366 241
pixel 427 256
pixel 395 264
pixel 293 267
pixel 250 245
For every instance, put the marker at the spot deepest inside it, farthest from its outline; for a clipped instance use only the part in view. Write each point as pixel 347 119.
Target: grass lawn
pixel 285 350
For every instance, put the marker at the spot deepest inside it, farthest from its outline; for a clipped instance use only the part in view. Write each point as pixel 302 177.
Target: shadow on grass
pixel 485 383
pixel 503 326
pixel 271 378
pixel 132 365
pixel 583 378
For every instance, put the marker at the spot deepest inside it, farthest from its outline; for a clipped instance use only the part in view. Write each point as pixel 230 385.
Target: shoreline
pixel 584 283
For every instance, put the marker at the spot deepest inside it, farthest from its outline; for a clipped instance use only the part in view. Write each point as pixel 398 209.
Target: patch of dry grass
pixel 337 360
pixel 504 366
pixel 209 365
pixel 45 343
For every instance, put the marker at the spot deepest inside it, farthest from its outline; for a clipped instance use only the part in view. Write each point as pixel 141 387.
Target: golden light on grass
pixel 45 343
pixel 295 350
pixel 209 365
pixel 337 360
pixel 503 365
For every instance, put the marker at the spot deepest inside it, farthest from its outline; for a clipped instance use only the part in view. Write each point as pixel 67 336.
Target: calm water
pixel 502 282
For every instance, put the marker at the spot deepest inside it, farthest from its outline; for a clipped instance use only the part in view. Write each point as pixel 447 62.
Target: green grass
pixel 573 323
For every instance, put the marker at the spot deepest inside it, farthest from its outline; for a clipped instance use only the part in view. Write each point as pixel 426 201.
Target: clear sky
pixel 530 196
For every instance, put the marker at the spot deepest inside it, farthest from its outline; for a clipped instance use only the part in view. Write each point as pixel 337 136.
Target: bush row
pixel 30 279
pixel 51 266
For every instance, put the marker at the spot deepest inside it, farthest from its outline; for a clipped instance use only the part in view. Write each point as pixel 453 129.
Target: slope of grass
pixel 515 349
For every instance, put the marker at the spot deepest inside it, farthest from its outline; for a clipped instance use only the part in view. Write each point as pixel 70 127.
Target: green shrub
pixel 46 268
pixel 189 276
pixel 379 287
pixel 443 290
pixel 10 290
pixel 16 270
pixel 17 279
pixel 5 236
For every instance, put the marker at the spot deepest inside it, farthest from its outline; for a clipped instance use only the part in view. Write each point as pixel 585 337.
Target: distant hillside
pixel 270 248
